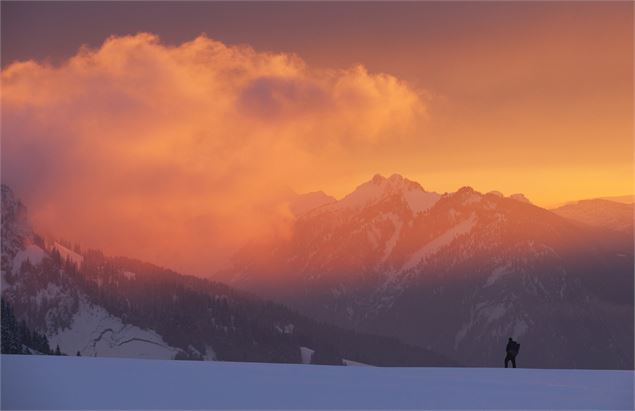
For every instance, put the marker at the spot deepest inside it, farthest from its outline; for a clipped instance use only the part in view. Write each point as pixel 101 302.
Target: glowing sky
pixel 124 118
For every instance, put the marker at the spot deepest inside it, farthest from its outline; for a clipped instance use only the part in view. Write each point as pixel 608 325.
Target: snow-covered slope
pixel 95 332
pixel 43 382
pixel 47 294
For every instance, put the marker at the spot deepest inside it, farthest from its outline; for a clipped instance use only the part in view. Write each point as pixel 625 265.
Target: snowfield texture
pixel 49 382
pixel 95 332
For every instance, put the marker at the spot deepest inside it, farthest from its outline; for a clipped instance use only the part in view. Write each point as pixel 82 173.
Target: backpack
pixel 515 348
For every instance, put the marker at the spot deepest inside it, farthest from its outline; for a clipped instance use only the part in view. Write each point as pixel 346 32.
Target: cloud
pixel 178 154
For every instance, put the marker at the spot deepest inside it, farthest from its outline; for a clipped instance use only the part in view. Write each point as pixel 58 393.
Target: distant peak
pixel 378 179
pixel 394 182
pixel 465 190
pixel 467 195
pixel 520 197
pixel 380 187
pixel 306 202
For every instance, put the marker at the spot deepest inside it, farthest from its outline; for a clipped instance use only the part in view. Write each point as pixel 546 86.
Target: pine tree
pixel 45 344
pixel 57 350
pixel 10 332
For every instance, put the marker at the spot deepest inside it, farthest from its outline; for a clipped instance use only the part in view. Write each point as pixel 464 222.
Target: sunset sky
pixel 182 125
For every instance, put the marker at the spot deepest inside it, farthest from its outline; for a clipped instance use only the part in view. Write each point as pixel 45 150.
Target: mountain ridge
pixel 495 266
pixel 95 305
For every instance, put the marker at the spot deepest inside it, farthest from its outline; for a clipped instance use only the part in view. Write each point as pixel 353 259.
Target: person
pixel 512 351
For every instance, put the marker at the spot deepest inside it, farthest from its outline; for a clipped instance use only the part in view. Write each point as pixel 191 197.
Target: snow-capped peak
pixel 380 187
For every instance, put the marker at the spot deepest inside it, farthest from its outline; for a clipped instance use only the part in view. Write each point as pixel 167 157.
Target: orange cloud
pixel 178 154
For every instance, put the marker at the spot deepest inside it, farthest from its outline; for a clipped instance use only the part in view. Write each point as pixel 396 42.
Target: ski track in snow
pixel 50 382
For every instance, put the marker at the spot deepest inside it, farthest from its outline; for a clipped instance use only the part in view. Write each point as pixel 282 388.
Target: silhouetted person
pixel 512 351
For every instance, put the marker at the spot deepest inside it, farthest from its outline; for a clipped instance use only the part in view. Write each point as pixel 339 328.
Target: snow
pixel 129 275
pixel 210 354
pixel 306 354
pixel 497 273
pixel 392 241
pixel 520 328
pixel 379 187
pixel 493 312
pixel 472 199
pixel 31 252
pixel 419 200
pixel 50 292
pixel 441 241
pixel 95 332
pixel 50 382
pixel 351 363
pixel 365 194
pixel 68 254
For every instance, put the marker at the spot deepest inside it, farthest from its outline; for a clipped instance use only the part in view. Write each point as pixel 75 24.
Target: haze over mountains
pixel 457 273
pixel 93 305
pixel 452 275
pixel 600 213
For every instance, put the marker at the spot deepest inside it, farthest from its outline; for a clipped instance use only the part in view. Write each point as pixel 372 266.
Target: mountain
pixel 303 203
pixel 95 305
pixel 627 199
pixel 600 213
pixel 457 273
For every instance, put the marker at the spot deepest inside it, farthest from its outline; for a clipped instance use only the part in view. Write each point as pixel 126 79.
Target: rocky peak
pixel 380 187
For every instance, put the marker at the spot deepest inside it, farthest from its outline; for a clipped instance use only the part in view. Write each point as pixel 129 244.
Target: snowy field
pixel 48 382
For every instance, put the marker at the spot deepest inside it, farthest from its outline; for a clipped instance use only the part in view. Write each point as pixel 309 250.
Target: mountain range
pixel 390 274
pixel 459 273
pixel 90 304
